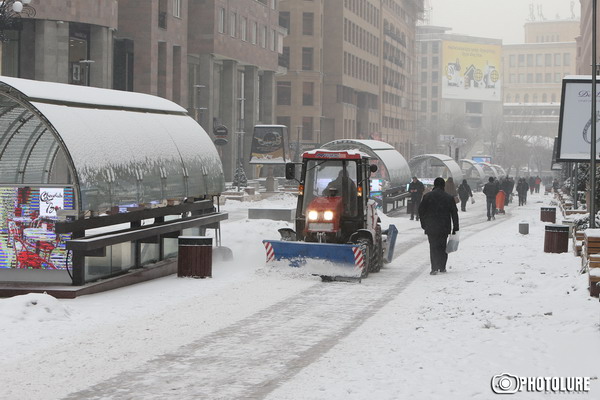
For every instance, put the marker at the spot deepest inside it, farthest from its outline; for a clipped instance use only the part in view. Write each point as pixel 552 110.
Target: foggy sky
pixel 496 19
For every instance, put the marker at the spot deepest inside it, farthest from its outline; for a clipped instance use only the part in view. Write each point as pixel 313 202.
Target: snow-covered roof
pixel 115 147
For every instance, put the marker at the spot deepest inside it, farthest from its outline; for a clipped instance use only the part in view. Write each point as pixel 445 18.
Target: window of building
pixel 538 77
pixel 424 47
pixel 526 98
pixel 539 60
pixel 548 77
pixel 284 20
pixel 521 78
pixel 474 122
pixel 308 89
pixel 424 106
pixel 244 29
pixel 177 8
pixel 424 62
pixel 435 47
pixel 284 120
pixel 434 106
pixel 233 24
pixel 423 91
pixel 434 91
pixel 521 59
pixel 307 128
pixel 273 41
pixel 557 59
pixel 535 98
pixel 285 57
pixel 517 98
pixel 284 93
pixel 423 76
pixel 435 62
pixel 530 60
pixel 308 22
pixel 512 78
pixel 558 78
pixel 434 76
pixel 307 58
pixel 512 60
pixel 221 23
pixel 554 97
pixel 263 37
pixel 544 98
pixel 529 77
pixel 548 60
pixel 473 107
pixel 566 59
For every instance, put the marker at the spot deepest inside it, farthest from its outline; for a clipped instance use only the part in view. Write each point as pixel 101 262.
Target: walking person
pixel 522 188
pixel 531 183
pixel 416 189
pixel 490 190
pixel 538 182
pixel 439 218
pixel 464 192
pixel 450 188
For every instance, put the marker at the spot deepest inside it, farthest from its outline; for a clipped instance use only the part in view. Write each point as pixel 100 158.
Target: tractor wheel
pixel 365 247
pixel 377 253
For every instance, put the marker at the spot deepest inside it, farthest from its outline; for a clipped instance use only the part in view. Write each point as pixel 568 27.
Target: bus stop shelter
pixel 95 182
pixel 434 165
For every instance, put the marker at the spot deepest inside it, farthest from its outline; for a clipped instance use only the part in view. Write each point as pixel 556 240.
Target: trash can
pixel 195 257
pixel 556 239
pixel 523 228
pixel 548 214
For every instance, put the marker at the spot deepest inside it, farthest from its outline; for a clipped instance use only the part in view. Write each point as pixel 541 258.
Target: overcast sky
pixel 497 19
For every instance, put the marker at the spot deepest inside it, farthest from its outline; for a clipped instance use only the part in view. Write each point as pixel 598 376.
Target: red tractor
pixel 336 221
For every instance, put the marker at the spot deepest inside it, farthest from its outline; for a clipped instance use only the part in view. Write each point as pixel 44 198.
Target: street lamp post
pixel 239 179
pixel 297 155
pixel 198 111
pixel 11 12
pixel 592 205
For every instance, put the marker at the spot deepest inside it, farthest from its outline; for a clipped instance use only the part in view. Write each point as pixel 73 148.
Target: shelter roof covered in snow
pixel 113 147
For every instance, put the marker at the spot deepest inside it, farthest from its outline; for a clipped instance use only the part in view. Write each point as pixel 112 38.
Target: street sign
pixel 447 138
pixel 220 131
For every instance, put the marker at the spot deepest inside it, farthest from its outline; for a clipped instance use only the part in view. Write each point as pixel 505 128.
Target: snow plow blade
pixel 342 260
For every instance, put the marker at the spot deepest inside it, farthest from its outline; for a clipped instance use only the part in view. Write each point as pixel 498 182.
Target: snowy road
pixel 254 333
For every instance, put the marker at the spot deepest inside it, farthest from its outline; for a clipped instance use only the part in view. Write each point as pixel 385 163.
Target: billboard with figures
pixel 471 71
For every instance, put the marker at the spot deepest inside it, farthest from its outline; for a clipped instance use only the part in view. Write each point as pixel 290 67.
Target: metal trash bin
pixel 523 228
pixel 195 257
pixel 556 239
pixel 548 214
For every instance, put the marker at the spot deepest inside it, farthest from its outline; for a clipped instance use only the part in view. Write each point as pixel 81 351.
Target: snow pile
pixel 33 307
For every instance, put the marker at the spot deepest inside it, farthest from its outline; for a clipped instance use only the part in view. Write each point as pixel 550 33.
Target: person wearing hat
pixel 416 189
pixel 439 218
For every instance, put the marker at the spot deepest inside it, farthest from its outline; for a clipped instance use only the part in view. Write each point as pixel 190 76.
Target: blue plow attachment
pixel 346 259
pixel 392 234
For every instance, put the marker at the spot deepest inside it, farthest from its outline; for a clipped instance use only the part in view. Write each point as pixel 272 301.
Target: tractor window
pixel 331 178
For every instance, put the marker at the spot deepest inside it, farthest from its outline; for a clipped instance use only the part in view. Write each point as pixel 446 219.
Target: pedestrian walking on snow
pixel 415 189
pixel 490 190
pixel 439 218
pixel 464 193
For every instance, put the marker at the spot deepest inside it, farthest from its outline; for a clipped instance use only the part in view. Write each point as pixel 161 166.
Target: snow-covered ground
pixel 257 332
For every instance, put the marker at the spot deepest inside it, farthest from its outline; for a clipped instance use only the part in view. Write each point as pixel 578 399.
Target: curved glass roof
pixel 447 161
pixel 394 162
pixel 115 147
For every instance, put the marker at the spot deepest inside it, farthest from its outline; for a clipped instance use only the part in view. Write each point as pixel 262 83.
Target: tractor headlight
pixel 328 215
pixel 313 215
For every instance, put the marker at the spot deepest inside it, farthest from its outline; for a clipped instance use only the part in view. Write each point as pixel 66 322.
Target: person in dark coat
pixel 464 192
pixel 490 190
pixel 531 183
pixel 416 189
pixel 522 189
pixel 439 218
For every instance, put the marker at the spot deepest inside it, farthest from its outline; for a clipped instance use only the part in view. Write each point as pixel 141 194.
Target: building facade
pixel 460 90
pixel 584 40
pixel 351 70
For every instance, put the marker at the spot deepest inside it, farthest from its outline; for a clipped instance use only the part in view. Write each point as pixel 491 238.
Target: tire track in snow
pixel 251 358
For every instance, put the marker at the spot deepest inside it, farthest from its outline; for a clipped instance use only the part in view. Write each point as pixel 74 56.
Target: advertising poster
pixel 471 71
pixel 574 128
pixel 270 145
pixel 27 218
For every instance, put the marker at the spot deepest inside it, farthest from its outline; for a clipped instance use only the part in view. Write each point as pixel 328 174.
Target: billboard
pixel 471 71
pixel 574 127
pixel 270 145
pixel 480 159
pixel 27 218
